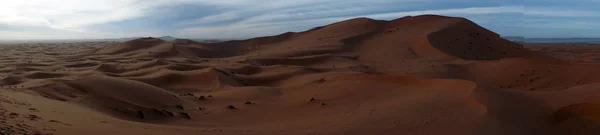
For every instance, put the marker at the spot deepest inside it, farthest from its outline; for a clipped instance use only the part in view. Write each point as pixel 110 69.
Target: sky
pixel 239 19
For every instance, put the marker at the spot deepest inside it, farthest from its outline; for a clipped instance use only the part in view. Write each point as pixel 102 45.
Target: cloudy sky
pixel 77 19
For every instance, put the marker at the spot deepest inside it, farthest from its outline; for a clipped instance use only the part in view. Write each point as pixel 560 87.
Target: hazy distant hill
pixel 167 38
pixel 515 38
pixel 171 38
pixel 563 40
pixel 553 40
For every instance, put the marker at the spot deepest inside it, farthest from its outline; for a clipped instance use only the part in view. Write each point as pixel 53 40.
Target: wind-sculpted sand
pixel 410 76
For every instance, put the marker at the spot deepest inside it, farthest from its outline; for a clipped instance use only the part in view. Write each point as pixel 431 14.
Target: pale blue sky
pixel 76 19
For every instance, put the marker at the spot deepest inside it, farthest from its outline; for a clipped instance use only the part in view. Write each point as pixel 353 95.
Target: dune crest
pixel 425 74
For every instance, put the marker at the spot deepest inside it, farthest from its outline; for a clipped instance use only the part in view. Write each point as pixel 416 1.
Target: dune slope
pixel 414 75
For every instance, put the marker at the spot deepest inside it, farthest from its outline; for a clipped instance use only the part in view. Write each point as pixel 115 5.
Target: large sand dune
pixel 410 76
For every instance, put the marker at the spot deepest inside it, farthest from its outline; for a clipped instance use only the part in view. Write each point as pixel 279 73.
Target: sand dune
pixel 530 74
pixel 416 75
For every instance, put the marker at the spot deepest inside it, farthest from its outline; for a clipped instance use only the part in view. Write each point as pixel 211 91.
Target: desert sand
pixel 416 75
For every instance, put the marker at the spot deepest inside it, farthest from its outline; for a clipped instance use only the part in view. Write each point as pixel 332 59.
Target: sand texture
pixel 421 75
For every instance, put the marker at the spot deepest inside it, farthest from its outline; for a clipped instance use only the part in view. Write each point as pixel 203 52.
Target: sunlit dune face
pixel 334 67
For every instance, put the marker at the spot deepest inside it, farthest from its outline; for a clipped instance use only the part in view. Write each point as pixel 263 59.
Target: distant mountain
pixel 211 40
pixel 563 40
pixel 167 38
pixel 553 40
pixel 515 38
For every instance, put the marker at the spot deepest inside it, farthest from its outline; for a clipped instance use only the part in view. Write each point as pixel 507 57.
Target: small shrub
pixel 248 103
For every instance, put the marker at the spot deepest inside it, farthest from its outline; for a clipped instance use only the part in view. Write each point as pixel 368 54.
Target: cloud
pixel 251 18
pixel 236 12
pixel 65 14
pixel 573 25
pixel 263 25
pixel 460 11
pixel 77 14
pixel 561 13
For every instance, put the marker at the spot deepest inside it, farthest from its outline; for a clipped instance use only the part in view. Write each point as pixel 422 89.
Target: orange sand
pixel 410 76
